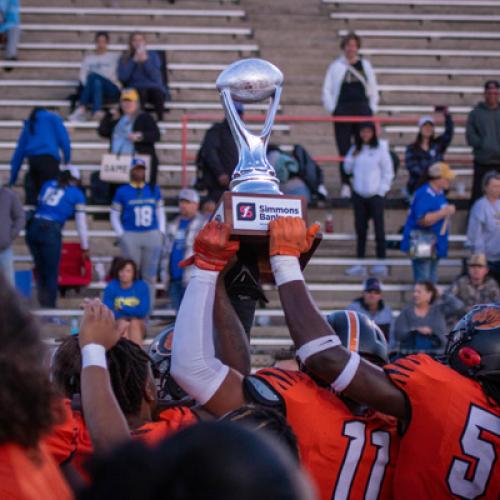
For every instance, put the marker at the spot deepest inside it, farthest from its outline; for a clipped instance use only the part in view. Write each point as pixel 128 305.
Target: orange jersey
pixel 30 475
pixel 450 448
pixel 347 456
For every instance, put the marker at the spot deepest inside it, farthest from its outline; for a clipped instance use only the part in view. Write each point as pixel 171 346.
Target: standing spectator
pixel 370 164
pixel 98 77
pixel 179 243
pixel 350 89
pixel 12 217
pixel 135 131
pixel 217 158
pixel 41 140
pixel 138 218
pixel 483 231
pixel 9 27
pixel 372 304
pixel 59 200
pixel 427 148
pixel 421 325
pixel 483 135
pixel 425 235
pixel 141 69
pixel 128 298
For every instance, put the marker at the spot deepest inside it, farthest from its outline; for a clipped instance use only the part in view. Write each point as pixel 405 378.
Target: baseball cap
pixel 137 162
pixel 441 170
pixel 425 119
pixel 478 260
pixel 491 84
pixel 129 95
pixel 74 171
pixel 372 285
pixel 189 195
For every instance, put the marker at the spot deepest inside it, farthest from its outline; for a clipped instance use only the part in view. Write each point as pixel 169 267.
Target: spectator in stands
pixel 59 200
pixel 9 28
pixel 425 235
pixel 128 298
pixel 181 233
pixel 42 138
pixel 217 158
pixel 370 164
pixel 99 80
pixel 349 89
pixel 12 217
pixel 483 230
pixel 138 218
pixel 483 135
pixel 372 304
pixel 421 325
pixel 427 148
pixel 132 130
pixel 141 69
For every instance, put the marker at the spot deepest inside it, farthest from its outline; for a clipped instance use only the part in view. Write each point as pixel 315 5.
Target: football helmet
pixel 359 333
pixel 473 347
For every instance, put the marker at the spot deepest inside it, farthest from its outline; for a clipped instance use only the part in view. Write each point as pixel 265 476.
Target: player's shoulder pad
pixel 259 391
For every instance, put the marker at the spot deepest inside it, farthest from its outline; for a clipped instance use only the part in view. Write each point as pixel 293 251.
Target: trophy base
pixel 249 215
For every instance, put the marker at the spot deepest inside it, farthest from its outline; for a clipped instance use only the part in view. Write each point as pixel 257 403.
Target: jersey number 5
pixel 469 478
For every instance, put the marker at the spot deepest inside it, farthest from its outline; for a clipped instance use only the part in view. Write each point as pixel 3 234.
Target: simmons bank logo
pixel 245 211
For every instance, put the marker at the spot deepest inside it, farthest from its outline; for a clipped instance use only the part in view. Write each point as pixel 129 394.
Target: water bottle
pixel 329 223
pixel 75 326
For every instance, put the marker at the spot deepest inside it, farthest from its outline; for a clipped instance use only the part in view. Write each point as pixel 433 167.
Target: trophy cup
pixel 254 198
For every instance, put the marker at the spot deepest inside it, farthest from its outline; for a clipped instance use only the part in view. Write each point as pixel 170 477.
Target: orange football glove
pixel 212 248
pixel 289 236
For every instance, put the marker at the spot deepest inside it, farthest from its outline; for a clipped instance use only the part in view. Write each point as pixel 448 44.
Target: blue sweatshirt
pixel 141 75
pixel 130 302
pixel 48 137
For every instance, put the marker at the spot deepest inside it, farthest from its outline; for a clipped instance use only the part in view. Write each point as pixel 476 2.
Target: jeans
pixel 154 96
pixel 425 269
pixel 364 210
pixel 176 291
pixel 7 264
pixel 44 239
pixel 96 89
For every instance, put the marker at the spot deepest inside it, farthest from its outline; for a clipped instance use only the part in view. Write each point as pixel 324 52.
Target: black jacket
pixel 146 125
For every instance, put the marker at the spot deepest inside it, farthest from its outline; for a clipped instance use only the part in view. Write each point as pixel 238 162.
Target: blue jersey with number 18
pixel 59 203
pixel 138 207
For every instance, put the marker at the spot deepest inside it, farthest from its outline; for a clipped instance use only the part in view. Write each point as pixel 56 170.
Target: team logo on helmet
pixel 486 319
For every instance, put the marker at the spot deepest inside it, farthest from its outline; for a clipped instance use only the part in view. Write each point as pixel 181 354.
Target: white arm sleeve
pixel 162 221
pixel 116 222
pixel 81 227
pixel 194 365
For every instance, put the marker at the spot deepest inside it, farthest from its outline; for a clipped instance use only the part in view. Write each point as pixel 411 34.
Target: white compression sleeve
pixel 162 221
pixel 194 365
pixel 116 222
pixel 81 227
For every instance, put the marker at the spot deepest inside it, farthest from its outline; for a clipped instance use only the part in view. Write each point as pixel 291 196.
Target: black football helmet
pixel 359 333
pixel 473 347
pixel 160 352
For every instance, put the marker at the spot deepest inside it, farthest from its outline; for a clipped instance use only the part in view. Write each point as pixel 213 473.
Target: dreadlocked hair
pixel 66 367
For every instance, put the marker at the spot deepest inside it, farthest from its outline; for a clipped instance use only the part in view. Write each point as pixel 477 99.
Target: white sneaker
pixel 77 116
pixel 379 270
pixel 356 270
pixel 345 191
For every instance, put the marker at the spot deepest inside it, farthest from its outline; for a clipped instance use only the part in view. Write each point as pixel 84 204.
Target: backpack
pixel 309 171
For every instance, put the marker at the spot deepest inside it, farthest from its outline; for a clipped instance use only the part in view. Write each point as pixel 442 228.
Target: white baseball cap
pixel 425 119
pixel 74 171
pixel 189 195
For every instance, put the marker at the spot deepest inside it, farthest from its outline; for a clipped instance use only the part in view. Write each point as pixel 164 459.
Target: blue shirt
pixel 178 250
pixel 59 203
pixel 426 200
pixel 120 143
pixel 137 207
pixel 130 302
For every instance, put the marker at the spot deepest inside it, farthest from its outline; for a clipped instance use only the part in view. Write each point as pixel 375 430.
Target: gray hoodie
pixel 483 134
pixel 12 217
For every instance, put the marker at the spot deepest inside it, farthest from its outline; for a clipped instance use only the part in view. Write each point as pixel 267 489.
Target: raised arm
pixel 317 345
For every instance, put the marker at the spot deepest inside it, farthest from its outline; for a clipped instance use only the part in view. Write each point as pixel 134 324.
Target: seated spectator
pixel 483 230
pixel 128 298
pixel 427 148
pixel 141 69
pixel 42 138
pixel 181 233
pixel 98 77
pixel 425 234
pixel 372 305
pixel 370 164
pixel 421 325
pixel 9 28
pixel 132 130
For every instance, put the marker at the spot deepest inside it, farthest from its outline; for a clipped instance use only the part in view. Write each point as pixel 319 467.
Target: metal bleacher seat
pixel 439 53
pixel 427 34
pixel 410 3
pixel 448 18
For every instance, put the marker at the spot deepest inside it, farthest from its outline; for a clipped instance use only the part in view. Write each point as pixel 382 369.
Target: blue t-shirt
pixel 130 302
pixel 59 203
pixel 137 207
pixel 178 250
pixel 426 200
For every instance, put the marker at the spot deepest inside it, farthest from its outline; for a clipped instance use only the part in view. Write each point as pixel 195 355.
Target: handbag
pixel 115 168
pixel 422 244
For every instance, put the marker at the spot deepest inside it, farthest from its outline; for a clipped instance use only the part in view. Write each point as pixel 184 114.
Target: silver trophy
pixel 249 81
